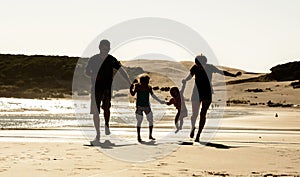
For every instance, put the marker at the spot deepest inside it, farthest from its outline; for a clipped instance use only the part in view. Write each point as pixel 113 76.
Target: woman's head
pixel 200 60
pixel 174 91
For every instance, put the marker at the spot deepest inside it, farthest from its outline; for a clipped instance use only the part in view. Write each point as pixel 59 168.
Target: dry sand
pixel 250 145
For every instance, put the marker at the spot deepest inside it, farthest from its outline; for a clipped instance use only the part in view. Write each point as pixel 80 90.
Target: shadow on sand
pixel 215 145
pixel 107 145
pixel 150 143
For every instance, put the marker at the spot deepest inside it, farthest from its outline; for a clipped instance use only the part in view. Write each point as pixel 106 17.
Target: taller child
pixel 143 90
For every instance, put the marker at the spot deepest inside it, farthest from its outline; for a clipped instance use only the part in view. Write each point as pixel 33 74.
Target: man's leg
pixel 96 119
pixel 95 110
pixel 205 106
pixel 106 109
pixel 106 113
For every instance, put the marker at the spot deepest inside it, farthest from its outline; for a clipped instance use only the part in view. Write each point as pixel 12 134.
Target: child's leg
pixel 150 120
pixel 176 119
pixel 139 119
pixel 181 122
pixel 138 130
pixel 183 113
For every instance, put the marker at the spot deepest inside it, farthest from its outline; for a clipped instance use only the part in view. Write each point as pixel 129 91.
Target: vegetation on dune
pixel 39 76
pixel 284 72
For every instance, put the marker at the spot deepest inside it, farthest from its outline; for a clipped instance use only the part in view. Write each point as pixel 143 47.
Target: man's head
pixel 104 46
pixel 201 60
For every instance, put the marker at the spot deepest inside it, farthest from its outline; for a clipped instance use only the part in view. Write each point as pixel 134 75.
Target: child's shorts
pixel 147 110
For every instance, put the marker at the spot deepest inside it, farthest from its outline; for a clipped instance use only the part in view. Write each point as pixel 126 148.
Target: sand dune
pixel 169 73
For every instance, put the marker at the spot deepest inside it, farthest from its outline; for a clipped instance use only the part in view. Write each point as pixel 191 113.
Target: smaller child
pixel 143 89
pixel 178 101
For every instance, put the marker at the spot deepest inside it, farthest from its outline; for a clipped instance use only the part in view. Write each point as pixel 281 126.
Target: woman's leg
pixel 195 113
pixel 205 106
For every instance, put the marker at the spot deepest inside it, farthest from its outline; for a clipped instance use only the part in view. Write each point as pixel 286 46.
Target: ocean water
pixel 35 113
pixel 16 113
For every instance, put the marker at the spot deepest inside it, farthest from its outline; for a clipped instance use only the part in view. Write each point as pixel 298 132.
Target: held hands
pixel 162 102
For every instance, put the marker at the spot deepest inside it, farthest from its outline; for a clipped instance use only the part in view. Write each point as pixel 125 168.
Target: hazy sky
pixel 253 35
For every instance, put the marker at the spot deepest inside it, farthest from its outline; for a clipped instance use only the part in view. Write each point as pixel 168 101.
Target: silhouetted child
pixel 178 101
pixel 143 89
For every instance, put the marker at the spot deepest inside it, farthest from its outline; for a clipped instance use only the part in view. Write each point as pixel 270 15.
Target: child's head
pixel 174 91
pixel 144 79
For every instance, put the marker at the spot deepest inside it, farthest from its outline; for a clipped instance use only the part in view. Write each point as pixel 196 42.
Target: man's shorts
pixel 99 96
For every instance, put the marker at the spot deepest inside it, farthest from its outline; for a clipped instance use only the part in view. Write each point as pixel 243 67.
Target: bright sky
pixel 252 35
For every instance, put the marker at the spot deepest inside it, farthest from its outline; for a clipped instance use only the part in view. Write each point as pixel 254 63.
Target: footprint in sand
pixel 162 164
pixel 59 169
pixel 3 169
pixel 183 171
pixel 166 174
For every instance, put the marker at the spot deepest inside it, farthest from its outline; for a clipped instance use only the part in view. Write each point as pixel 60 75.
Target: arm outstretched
pixel 155 97
pixel 226 73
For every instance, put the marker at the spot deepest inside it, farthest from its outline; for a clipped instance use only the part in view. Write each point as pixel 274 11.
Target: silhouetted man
pixel 100 68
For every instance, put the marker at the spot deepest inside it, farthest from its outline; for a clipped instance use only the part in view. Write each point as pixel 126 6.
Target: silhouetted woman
pixel 202 92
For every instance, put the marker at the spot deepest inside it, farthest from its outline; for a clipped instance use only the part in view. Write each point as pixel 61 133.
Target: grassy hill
pixel 39 76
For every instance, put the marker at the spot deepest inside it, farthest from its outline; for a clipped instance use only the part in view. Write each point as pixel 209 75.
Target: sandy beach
pixel 52 137
pixel 258 144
